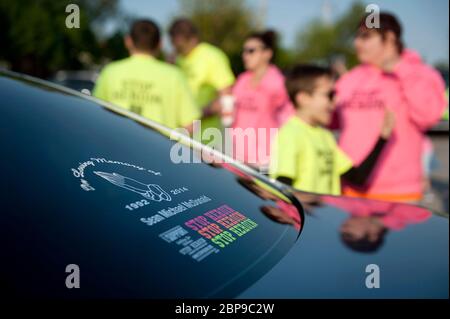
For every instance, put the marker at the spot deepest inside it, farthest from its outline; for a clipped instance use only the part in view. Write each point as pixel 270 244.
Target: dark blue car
pixel 94 207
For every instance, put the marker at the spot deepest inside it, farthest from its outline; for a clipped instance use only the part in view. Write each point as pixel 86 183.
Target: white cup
pixel 227 102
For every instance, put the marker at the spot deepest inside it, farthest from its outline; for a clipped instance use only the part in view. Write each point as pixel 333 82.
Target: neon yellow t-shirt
pixel 310 157
pixel 208 71
pixel 151 88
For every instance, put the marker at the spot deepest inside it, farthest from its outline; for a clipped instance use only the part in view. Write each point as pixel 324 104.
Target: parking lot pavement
pixel 437 200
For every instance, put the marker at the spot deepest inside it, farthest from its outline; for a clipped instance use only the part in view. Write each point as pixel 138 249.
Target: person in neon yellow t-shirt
pixel 305 154
pixel 445 115
pixel 206 67
pixel 144 85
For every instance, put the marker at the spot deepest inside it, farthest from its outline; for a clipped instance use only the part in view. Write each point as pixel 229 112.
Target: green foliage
pixel 227 23
pixel 222 23
pixel 284 57
pixel 320 42
pixel 35 39
pixel 113 48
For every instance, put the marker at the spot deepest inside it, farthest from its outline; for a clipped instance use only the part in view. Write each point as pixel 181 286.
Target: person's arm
pixel 101 87
pixel 358 175
pixel 423 90
pixel 221 77
pixel 285 180
pixel 215 107
pixel 284 158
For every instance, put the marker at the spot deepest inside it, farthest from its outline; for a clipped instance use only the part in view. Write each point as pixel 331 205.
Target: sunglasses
pixel 330 94
pixel 251 50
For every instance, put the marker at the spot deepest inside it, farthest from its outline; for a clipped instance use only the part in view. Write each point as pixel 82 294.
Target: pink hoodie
pixel 265 106
pixel 394 216
pixel 415 92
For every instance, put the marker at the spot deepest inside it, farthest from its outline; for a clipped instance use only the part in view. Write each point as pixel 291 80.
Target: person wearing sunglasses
pixel 306 155
pixel 261 100
pixel 393 77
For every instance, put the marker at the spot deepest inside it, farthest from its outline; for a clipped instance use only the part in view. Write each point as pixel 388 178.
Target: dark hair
pixel 145 35
pixel 302 78
pixel 268 39
pixel 183 27
pixel 388 22
pixel 364 245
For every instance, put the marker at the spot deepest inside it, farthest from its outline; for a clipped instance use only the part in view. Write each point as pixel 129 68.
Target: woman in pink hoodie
pixel 262 103
pixel 395 78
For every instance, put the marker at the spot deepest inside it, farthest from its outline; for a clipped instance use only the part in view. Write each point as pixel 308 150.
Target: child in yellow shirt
pixel 305 154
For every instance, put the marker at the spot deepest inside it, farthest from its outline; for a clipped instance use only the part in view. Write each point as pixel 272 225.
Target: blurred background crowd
pixel 35 41
pixel 309 31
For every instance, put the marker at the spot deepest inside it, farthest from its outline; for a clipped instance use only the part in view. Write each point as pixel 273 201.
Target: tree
pixel 35 39
pixel 113 48
pixel 320 42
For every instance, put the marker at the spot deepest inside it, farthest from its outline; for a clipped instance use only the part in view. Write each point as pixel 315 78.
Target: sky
pixel 425 22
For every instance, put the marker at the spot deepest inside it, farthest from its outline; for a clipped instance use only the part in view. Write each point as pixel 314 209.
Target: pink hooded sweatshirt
pixel 263 107
pixel 415 92
pixel 395 216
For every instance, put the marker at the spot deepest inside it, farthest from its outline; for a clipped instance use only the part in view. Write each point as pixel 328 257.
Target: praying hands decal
pixel 149 191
